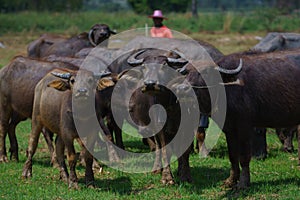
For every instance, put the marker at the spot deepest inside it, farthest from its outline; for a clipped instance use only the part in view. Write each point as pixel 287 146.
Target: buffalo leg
pixel 4 121
pixel 48 135
pixel 33 142
pixel 200 135
pixel 285 136
pixel 60 158
pixel 15 120
pixel 245 156
pixel 116 131
pixel 232 145
pixel 71 156
pixel 200 147
pixel 167 178
pixel 288 142
pixel 89 174
pixel 184 171
pixel 96 165
pixel 112 154
pixel 298 131
pixel 157 162
pixel 259 143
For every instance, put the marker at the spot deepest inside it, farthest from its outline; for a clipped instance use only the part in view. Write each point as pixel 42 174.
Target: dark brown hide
pixel 53 109
pixel 17 82
pixel 269 96
pixel 54 45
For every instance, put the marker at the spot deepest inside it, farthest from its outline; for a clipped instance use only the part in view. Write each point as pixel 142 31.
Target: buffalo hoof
pixel 241 186
pixel 64 177
pixel 156 169
pixel 167 179
pixel 185 177
pixel 14 156
pixel 287 149
pixel 203 153
pixel 54 163
pixel 73 185
pixel 96 166
pixel 3 158
pixel 27 173
pixel 27 170
pixel 90 184
pixel 229 183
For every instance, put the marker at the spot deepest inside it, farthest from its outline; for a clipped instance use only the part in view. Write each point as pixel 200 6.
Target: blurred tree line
pixel 145 6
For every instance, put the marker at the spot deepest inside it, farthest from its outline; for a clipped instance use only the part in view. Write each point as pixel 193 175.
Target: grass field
pixel 276 177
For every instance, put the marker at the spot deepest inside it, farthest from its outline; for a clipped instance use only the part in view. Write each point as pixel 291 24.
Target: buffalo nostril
pixel 82 90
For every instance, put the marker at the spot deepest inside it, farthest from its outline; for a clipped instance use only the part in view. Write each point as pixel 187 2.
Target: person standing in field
pixel 159 30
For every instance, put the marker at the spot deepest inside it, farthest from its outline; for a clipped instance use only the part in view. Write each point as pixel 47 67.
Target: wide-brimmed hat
pixel 157 14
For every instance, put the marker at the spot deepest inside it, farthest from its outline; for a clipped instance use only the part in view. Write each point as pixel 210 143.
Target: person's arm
pixel 168 33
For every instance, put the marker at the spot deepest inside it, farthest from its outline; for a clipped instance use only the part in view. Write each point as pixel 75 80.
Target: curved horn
pixel 177 61
pixel 102 74
pixel 132 59
pixel 231 71
pixel 182 70
pixel 91 39
pixel 62 75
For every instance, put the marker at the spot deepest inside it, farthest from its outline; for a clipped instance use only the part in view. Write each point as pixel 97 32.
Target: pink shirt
pixel 161 32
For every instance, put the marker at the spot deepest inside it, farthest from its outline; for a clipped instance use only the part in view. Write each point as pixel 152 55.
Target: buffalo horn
pixel 182 70
pixel 177 61
pixel 231 71
pixel 91 39
pixel 102 74
pixel 132 59
pixel 62 75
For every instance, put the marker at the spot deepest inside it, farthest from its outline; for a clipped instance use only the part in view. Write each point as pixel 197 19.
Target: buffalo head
pixel 155 65
pixel 82 82
pixel 207 77
pixel 99 33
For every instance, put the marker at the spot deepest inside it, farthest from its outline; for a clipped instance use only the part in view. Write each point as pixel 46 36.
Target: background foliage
pixel 145 6
pixel 75 22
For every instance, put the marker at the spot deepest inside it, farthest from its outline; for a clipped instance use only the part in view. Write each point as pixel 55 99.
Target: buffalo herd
pixel 60 96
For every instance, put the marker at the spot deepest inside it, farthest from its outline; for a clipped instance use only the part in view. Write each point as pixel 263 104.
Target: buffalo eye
pixel 90 80
pixel 72 80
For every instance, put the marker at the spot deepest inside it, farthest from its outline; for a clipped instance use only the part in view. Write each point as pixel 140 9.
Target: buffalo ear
pixel 112 32
pixel 105 83
pixel 59 84
pixel 122 73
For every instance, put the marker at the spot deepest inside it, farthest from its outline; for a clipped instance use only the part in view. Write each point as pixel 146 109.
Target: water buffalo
pixel 278 41
pixel 190 48
pixel 261 91
pixel 37 47
pixel 48 44
pixel 148 68
pixel 275 41
pixel 17 82
pixel 60 103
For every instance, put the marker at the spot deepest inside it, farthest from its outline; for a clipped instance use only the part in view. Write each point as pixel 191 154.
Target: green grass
pixel 72 23
pixel 277 177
